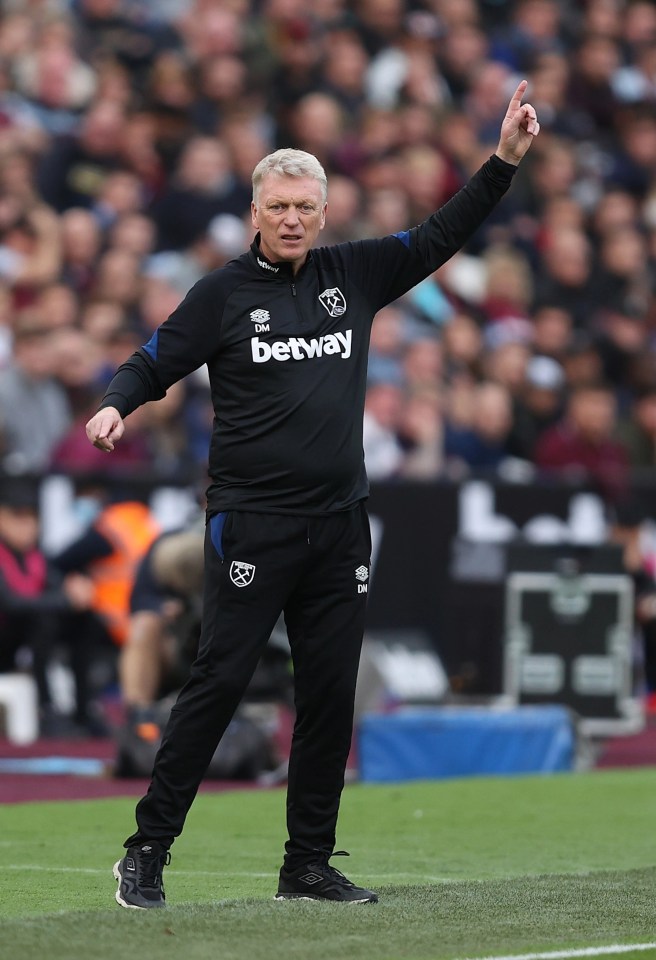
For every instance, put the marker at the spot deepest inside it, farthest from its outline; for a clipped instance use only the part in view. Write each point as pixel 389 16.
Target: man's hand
pixel 520 125
pixel 105 428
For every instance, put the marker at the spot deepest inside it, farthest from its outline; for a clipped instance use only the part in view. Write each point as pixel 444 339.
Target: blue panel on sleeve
pixel 404 237
pixel 151 346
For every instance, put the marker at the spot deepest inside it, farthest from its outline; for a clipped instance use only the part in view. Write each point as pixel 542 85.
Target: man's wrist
pixel 507 158
pixel 114 400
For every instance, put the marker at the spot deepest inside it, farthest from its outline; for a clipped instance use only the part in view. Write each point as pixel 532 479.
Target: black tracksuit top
pixel 287 357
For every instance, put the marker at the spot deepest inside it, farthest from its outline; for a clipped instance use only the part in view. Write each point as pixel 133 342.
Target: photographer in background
pixel 159 649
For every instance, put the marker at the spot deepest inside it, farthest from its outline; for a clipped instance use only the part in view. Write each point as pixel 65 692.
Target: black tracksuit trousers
pixel 257 565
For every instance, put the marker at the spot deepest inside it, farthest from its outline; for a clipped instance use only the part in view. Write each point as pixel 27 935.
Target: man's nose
pixel 291 217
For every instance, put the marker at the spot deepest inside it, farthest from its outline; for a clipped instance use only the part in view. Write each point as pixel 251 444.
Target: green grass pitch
pixel 468 868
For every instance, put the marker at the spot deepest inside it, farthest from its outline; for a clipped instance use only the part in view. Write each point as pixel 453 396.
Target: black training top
pixel 287 357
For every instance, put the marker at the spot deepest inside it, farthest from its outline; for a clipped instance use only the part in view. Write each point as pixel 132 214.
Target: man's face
pixel 19 527
pixel 289 214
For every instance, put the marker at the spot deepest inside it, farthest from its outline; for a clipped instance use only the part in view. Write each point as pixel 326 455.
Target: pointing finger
pixel 516 99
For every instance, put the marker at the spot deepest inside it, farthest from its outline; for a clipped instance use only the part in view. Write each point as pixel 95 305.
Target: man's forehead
pixel 285 186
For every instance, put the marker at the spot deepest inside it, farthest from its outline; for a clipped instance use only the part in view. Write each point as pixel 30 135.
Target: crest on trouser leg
pixel 242 573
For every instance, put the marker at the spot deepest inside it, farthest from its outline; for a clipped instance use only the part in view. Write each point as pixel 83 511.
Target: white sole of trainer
pixel 117 896
pixel 280 898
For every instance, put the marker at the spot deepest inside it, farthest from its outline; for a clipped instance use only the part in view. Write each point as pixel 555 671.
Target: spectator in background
pixel 81 239
pixel 34 409
pixel 203 187
pixel 508 284
pixel 76 366
pixel 637 429
pixel 386 347
pixel 582 445
pixel 537 407
pixel 508 352
pixel 33 600
pixel 552 331
pixel 19 122
pixel 118 279
pixel 156 657
pixel 564 277
pixel 225 237
pixel 133 232
pixel 534 28
pixel 463 346
pixel 30 246
pixel 592 91
pixel 73 169
pixel 582 361
pixel 54 79
pixel 383 453
pixel 108 553
pixel 59 304
pixel 484 444
pixel 421 435
pixel 623 279
pixel 423 362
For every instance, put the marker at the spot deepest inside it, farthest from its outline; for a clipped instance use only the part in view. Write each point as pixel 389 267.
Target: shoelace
pixel 150 869
pixel 334 872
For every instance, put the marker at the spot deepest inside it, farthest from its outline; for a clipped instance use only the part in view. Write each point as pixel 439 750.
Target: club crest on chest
pixel 334 301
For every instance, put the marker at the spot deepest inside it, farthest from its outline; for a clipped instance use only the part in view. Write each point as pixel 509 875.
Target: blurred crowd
pixel 128 133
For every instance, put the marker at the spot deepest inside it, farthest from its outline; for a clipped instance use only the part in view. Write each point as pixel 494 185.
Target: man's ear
pixel 254 216
pixel 323 216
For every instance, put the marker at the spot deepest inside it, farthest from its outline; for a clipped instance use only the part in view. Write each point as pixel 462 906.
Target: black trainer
pixel 139 876
pixel 317 880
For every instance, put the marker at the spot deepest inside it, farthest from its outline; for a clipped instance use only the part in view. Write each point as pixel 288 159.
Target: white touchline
pixel 57 868
pixel 571 954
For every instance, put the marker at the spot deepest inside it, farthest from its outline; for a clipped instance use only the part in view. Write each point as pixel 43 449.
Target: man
pixel 284 332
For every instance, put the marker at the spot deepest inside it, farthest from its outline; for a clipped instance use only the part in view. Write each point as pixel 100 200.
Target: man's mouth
pixel 290 237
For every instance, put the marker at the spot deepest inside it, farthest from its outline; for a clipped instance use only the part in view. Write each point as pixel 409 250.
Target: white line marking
pixel 225 874
pixel 570 954
pixel 100 871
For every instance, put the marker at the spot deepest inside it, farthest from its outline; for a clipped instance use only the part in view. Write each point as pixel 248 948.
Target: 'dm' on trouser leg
pixel 237 622
pixel 325 619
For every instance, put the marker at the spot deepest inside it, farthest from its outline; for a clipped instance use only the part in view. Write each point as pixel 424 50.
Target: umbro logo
pixel 311 878
pixel 362 575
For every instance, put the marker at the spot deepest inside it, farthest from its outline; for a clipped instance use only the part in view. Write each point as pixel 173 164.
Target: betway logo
pixel 297 348
pixel 267 266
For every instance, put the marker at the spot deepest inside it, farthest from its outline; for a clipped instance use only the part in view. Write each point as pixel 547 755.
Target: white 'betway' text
pixel 297 348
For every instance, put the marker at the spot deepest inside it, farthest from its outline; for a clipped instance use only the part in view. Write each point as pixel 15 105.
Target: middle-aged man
pixel 284 330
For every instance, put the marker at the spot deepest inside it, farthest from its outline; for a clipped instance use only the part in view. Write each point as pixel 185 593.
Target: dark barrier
pixel 440 564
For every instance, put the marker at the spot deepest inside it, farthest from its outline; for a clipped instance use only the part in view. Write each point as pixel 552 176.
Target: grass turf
pixel 466 868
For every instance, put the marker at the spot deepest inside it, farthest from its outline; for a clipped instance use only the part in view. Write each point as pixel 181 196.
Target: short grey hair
pixel 291 163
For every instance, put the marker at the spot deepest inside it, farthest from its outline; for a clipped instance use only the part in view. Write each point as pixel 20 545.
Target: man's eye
pixel 276 207
pixel 307 207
